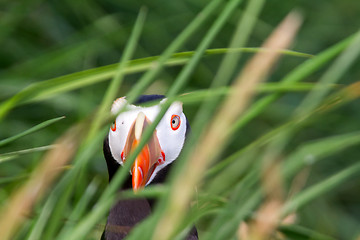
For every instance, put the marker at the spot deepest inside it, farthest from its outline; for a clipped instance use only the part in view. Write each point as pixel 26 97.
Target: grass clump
pixel 271 127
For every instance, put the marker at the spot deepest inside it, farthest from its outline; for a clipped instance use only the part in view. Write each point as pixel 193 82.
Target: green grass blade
pixel 41 178
pixel 318 151
pixel 80 208
pixel 178 215
pixel 336 100
pixel 335 72
pixel 201 95
pixel 314 151
pixel 49 88
pixel 319 189
pixel 208 38
pixel 298 74
pixel 90 220
pixel 313 100
pixel 171 49
pixel 242 201
pixel 116 82
pixel 16 154
pixel 149 192
pixel 27 151
pixel 4 180
pixel 29 131
pixel 239 39
pixel 42 220
pixel 70 177
pixel 222 77
pixel 57 214
pixel 82 43
pixel 296 232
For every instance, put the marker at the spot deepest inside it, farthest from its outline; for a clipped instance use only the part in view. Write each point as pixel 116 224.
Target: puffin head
pixel 126 132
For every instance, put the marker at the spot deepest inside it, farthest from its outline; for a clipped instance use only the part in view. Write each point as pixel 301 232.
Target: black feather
pixel 148 98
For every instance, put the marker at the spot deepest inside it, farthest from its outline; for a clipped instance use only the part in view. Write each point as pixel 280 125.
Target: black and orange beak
pixel 146 162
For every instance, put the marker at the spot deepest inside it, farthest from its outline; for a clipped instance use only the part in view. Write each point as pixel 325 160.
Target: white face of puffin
pixel 164 146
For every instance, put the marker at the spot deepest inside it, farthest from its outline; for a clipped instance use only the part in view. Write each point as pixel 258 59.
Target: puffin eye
pixel 175 122
pixel 113 126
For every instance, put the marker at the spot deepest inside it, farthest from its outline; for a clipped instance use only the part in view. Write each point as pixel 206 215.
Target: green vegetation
pixel 271 95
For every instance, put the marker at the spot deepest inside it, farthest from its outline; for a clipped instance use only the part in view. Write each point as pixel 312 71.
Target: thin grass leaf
pixel 238 40
pixel 311 153
pixel 49 88
pixel 245 84
pixel 339 98
pixel 29 131
pixel 332 75
pixel 307 154
pixel 42 221
pixel 298 74
pixel 11 215
pixel 201 95
pixel 148 192
pixel 314 98
pixel 81 159
pixel 234 47
pixel 4 180
pixel 223 182
pixel 179 82
pixel 222 77
pixel 242 202
pixel 297 232
pixel 277 145
pixel 13 155
pixel 57 217
pixel 173 47
pixel 90 220
pixel 320 188
pixel 208 38
pixel 333 144
pixel 7 158
pixel 116 82
pixel 80 208
pixel 83 42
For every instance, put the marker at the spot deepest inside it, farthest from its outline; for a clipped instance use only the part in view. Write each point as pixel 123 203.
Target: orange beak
pixel 146 162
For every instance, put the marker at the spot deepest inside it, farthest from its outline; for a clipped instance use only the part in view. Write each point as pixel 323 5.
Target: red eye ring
pixel 175 122
pixel 113 126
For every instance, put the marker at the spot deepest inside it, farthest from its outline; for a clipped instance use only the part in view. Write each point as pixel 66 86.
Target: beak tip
pixel 137 187
pixel 137 179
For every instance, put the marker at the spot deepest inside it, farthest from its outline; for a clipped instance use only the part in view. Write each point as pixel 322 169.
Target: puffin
pixel 152 164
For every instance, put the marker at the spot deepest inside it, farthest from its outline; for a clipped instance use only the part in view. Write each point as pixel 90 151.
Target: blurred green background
pixel 41 40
